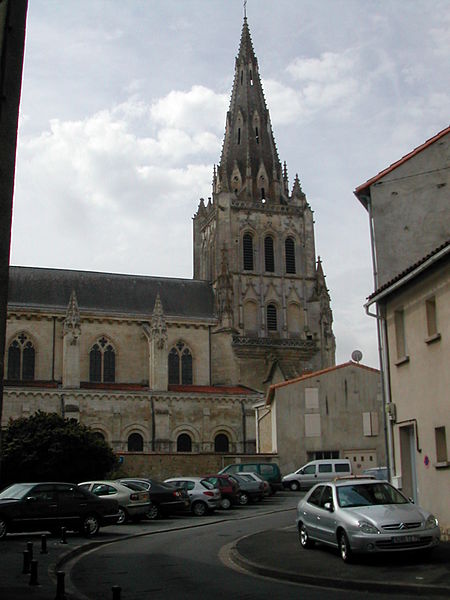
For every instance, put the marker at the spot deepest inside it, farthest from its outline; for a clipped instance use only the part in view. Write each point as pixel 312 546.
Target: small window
pixel 239 136
pixel 432 328
pixel 400 340
pixel 289 247
pixel 135 442
pixel 263 193
pixel 272 318
pixel 441 445
pixel 247 243
pixel 251 77
pixel 21 359
pixel 180 365
pixel 269 254
pixel 184 443
pixel 102 362
pixel 221 443
pixel 257 135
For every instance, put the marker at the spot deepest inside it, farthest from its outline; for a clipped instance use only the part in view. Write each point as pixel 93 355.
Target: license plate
pixel 406 539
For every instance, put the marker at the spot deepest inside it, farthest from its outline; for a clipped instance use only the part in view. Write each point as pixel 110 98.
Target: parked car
pixel 364 515
pixel 267 491
pixel 134 503
pixel 251 490
pixel 203 496
pixel 229 489
pixel 165 499
pixel 48 506
pixel 377 472
pixel 268 471
pixel 317 471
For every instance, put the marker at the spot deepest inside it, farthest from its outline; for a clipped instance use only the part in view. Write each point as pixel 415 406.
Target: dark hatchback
pixel 166 499
pixel 48 506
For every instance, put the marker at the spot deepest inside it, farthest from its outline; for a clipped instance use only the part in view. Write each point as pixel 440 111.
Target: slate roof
pixel 109 293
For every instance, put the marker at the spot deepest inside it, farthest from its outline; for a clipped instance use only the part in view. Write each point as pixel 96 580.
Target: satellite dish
pixel 357 356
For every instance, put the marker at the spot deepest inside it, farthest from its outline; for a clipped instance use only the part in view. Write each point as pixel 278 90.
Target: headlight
pixel 431 522
pixel 367 527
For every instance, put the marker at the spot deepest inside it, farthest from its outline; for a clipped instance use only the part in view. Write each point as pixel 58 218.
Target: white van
pixel 317 471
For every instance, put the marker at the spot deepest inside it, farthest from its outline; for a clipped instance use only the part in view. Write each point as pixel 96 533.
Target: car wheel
pixel 153 512
pixel 90 525
pixel 243 498
pixel 303 536
pixel 123 516
pixel 3 528
pixel 294 486
pixel 199 509
pixel 344 547
pixel 225 503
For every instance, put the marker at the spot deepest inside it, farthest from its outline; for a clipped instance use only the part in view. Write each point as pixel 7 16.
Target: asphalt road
pixel 195 562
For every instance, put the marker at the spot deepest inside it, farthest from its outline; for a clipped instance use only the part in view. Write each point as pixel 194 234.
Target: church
pixel 165 365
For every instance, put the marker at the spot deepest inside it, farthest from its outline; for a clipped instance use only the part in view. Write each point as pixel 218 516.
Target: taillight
pixel 134 497
pixel 208 493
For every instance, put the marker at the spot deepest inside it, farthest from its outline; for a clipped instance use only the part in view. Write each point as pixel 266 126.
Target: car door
pixel 39 509
pixel 311 510
pixel 308 477
pixel 72 505
pixel 326 523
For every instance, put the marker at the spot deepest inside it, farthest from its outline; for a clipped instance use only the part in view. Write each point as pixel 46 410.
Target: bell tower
pixel 254 241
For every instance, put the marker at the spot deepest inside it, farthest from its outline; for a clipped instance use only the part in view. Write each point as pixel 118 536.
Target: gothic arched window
pixel 21 359
pixel 269 257
pixel 102 362
pixel 180 364
pixel 272 317
pixel 247 243
pixel 135 442
pixel 289 247
pixel 184 443
pixel 221 443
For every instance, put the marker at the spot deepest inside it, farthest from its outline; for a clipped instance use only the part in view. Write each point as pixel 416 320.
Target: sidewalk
pixel 278 554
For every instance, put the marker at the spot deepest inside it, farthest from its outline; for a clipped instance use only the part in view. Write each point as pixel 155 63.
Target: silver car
pixel 203 495
pixel 364 515
pixel 134 503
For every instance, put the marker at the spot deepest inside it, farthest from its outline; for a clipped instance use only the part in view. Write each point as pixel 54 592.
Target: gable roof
pixel 273 388
pixel 363 189
pixel 109 293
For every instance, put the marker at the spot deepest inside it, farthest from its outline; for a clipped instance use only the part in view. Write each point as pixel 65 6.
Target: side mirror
pixel 31 499
pixel 328 506
pixel 411 500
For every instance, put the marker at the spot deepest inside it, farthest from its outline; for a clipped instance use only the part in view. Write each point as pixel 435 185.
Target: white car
pixel 203 495
pixel 364 515
pixel 266 485
pixel 134 503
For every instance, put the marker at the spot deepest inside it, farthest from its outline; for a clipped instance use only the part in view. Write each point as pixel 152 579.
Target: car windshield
pixel 368 494
pixel 16 491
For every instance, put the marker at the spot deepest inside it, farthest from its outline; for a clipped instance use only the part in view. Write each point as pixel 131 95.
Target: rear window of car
pixel 342 468
pixel 16 491
pixel 207 484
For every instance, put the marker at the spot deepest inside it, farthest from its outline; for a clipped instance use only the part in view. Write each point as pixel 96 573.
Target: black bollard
pixel 30 549
pixel 34 572
pixel 43 544
pixel 60 589
pixel 26 562
pixel 116 590
pixel 63 535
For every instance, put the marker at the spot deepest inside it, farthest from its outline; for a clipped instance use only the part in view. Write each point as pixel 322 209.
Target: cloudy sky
pixel 123 112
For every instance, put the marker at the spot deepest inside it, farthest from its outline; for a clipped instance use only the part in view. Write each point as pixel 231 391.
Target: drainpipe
pixel 244 428
pixel 152 406
pixel 382 351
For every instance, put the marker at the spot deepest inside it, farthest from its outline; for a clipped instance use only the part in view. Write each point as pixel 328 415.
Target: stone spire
pixel 71 325
pixel 159 327
pixel 248 135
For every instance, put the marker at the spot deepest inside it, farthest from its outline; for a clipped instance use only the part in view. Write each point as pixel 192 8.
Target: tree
pixel 47 447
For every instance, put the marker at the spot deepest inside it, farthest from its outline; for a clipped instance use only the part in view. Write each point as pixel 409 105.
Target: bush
pixel 47 447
